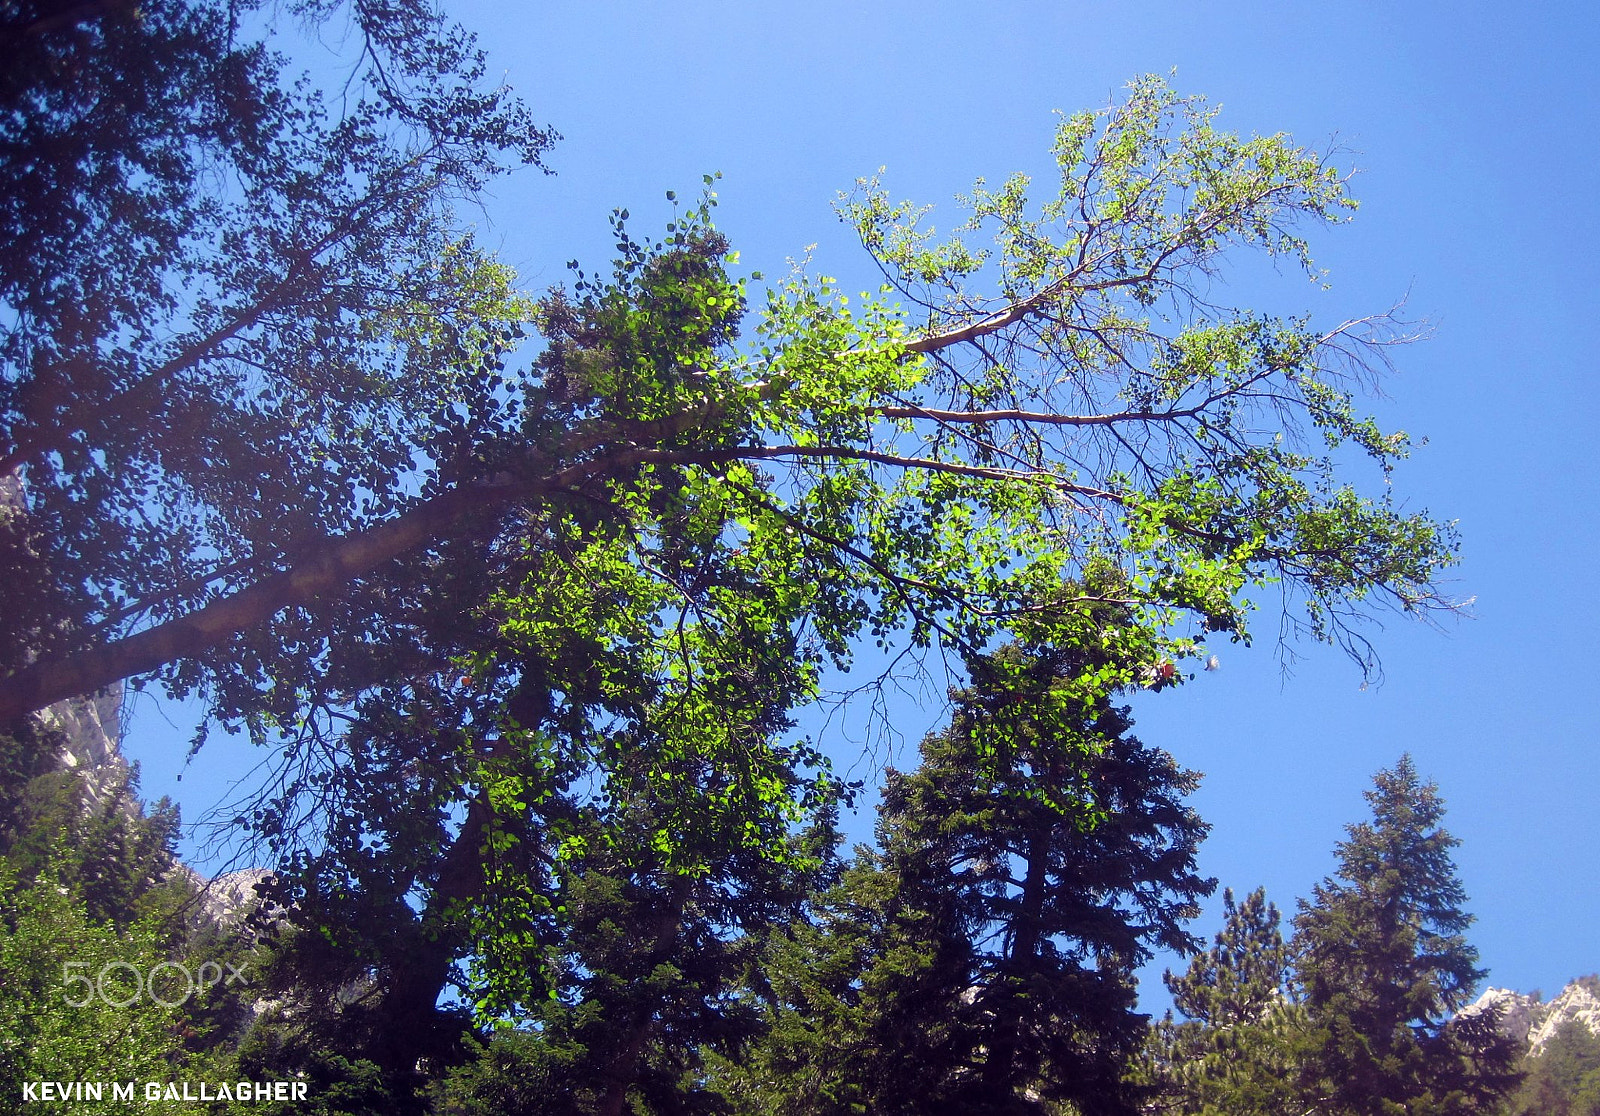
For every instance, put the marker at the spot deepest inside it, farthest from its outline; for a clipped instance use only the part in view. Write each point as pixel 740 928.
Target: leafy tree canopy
pixel 941 458
pixel 233 308
pixel 535 636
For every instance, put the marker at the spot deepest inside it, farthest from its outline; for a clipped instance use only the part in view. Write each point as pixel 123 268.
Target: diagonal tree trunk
pixel 337 562
pixel 324 571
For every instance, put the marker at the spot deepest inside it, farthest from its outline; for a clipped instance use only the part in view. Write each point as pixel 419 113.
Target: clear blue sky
pixel 1475 132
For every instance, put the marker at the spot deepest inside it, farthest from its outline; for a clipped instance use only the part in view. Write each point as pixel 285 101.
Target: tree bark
pixel 999 1071
pixel 336 563
pixel 410 1015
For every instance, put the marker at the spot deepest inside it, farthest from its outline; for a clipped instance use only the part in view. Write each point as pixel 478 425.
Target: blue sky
pixel 1474 131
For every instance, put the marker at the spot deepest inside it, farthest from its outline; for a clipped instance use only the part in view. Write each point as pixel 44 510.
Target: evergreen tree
pixel 1244 975
pixel 644 961
pixel 106 960
pixel 1233 1051
pixel 1384 965
pixel 1563 1078
pixel 866 1000
pixel 983 961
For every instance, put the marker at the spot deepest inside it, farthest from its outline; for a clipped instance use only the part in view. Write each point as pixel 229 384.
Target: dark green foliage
pixel 27 752
pixel 94 839
pixel 1233 1052
pixel 231 310
pixel 279 1047
pixel 518 1073
pixel 866 1001
pixel 1358 1016
pixel 983 960
pixel 1383 961
pixel 1244 975
pixel 644 958
pixel 1563 1079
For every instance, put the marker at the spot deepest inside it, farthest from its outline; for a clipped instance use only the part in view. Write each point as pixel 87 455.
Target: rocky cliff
pixel 1534 1021
pixel 91 734
pixel 90 729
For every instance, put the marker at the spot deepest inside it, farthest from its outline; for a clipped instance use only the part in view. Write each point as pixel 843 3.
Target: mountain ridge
pixel 1529 1019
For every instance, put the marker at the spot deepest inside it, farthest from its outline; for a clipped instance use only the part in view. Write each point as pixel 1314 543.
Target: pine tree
pixel 983 960
pixel 1243 976
pixel 1563 1079
pixel 1232 1053
pixel 1385 965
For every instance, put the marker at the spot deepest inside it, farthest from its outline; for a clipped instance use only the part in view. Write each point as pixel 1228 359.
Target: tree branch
pixel 1039 418
pixel 336 563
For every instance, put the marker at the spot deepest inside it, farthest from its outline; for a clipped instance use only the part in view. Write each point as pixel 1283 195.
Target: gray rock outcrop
pixel 1530 1020
pixel 91 729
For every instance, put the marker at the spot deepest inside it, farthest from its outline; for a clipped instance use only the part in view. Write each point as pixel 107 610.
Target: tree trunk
pixel 409 1015
pixel 1009 1004
pixel 624 1069
pixel 337 562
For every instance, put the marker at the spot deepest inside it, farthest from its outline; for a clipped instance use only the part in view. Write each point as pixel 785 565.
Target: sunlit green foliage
pixel 100 943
